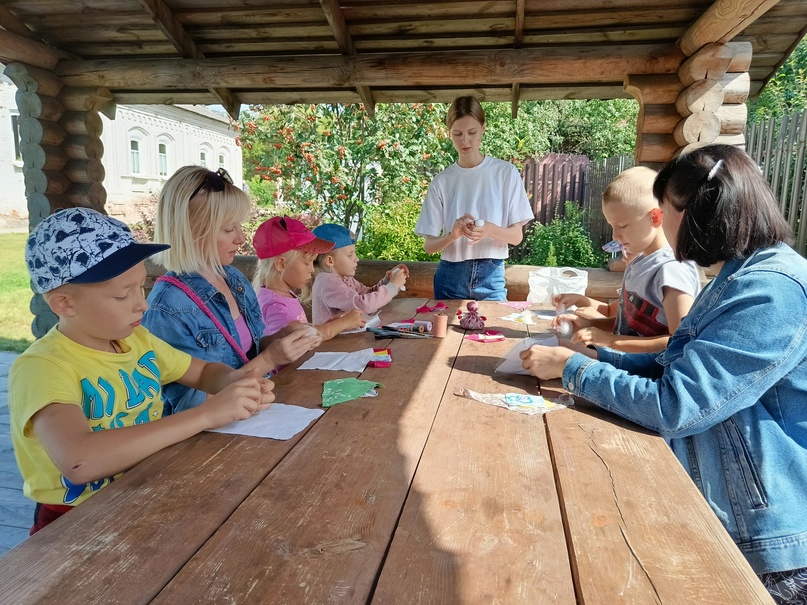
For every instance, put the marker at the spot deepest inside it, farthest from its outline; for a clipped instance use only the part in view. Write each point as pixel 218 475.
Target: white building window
pixel 162 159
pixel 222 162
pixel 134 156
pixel 203 158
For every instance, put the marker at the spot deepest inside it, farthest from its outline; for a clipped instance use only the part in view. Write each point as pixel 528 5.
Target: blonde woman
pixel 472 211
pixel 203 305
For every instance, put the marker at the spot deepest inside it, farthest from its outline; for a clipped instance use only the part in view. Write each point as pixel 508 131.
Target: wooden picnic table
pixel 415 496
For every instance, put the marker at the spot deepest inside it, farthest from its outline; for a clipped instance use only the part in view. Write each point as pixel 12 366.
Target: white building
pixel 143 146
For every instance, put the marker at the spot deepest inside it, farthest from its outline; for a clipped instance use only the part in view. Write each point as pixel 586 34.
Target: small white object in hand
pixel 565 329
pixel 479 222
pixel 560 309
pixel 394 271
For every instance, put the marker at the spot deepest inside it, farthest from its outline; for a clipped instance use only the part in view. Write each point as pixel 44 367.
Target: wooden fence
pixel 555 179
pixel 778 146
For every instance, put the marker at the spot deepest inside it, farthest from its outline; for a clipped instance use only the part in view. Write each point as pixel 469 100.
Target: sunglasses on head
pixel 214 181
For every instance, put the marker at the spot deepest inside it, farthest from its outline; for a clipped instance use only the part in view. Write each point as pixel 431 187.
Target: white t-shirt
pixel 492 191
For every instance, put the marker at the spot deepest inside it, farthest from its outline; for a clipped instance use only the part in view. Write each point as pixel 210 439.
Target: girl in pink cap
pixel 286 250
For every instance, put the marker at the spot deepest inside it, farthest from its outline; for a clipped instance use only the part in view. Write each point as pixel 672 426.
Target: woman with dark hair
pixel 730 391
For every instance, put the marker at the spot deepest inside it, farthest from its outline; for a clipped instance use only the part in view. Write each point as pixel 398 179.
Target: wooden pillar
pixel 712 104
pixel 61 148
pixel 704 103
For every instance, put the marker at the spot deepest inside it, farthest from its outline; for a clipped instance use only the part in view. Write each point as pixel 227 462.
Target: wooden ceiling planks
pixel 300 32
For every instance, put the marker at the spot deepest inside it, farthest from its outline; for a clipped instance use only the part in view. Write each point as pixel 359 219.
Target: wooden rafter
pixel 518 40
pixel 17 48
pixel 534 66
pixel 178 36
pixel 722 21
pixel 10 23
pixel 333 13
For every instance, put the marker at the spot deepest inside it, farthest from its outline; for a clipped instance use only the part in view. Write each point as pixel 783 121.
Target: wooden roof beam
pixel 176 34
pixel 333 13
pixel 15 48
pixel 518 40
pixel 722 21
pixel 11 23
pixel 535 66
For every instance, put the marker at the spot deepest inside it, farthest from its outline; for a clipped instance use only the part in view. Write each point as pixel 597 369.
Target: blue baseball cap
pixel 336 234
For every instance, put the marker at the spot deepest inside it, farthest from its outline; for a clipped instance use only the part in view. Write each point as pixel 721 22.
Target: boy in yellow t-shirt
pixel 99 369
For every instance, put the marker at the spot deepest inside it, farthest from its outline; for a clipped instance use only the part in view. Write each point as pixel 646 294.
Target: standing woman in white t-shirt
pixel 472 211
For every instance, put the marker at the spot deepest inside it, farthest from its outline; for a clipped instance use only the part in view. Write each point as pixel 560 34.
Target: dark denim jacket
pixel 177 320
pixel 730 394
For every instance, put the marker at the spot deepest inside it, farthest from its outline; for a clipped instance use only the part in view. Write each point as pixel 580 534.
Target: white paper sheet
pixel 511 362
pixel 349 362
pixel 373 321
pixel 280 421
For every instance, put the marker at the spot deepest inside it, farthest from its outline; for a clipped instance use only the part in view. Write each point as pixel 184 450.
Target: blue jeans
pixel 479 279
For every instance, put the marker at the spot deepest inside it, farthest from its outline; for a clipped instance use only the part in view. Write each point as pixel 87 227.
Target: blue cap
pixel 336 234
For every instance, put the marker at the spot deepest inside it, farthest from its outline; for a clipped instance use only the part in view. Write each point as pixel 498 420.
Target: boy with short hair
pixel 99 369
pixel 657 290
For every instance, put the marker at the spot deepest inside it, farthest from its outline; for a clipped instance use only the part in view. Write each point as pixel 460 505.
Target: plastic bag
pixel 548 281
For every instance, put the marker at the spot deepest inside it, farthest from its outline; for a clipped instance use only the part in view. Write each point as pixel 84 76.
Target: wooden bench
pixel 602 284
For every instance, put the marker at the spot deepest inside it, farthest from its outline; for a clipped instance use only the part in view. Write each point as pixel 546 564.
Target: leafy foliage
pixel 562 243
pixel 787 90
pixel 371 176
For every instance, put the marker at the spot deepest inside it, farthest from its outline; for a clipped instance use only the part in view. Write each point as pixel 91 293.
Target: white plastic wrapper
pixel 518 402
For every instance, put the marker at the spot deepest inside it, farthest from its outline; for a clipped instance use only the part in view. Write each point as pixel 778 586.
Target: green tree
pixel 786 91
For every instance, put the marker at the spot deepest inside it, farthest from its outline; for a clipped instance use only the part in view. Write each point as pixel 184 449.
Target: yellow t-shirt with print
pixel 113 390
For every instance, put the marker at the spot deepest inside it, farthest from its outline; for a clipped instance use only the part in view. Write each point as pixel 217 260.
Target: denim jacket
pixel 175 318
pixel 730 395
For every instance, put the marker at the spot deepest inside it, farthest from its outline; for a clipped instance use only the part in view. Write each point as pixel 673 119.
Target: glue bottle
pixel 394 271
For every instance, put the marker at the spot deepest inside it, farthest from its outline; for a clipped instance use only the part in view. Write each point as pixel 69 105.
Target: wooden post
pixel 60 143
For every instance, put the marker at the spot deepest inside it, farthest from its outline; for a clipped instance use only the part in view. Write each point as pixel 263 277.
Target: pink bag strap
pixel 195 298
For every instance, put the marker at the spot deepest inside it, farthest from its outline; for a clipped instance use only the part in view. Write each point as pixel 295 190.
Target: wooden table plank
pixel 164 510
pixel 317 528
pixel 482 522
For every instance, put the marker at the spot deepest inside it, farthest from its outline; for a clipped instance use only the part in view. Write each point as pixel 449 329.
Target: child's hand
pixel 289 348
pixel 354 319
pixel 575 321
pixel 238 401
pixel 396 269
pixel 593 336
pixel 567 300
pixel 398 278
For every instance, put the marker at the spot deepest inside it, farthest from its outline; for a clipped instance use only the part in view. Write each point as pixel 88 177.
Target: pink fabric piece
pixel 519 304
pixel 427 309
pixel 242 329
pixel 486 336
pixel 380 364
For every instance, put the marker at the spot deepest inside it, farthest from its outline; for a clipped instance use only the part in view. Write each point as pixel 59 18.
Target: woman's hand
pixel 291 347
pixel 545 362
pixel 462 226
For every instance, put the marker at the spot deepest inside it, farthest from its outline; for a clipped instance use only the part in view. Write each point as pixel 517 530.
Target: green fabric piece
pixel 345 389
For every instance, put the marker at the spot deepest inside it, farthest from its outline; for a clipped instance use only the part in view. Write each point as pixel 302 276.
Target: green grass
pixel 15 294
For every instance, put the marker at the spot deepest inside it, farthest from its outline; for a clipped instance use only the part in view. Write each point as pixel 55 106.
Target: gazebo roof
pixel 258 51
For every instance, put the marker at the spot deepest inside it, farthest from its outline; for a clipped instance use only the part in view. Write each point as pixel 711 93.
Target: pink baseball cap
pixel 280 234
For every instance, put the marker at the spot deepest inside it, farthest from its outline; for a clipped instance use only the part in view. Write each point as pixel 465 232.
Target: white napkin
pixel 280 421
pixel 349 362
pixel 511 362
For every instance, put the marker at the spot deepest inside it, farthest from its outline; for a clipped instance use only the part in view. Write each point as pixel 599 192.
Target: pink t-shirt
pixel 244 336
pixel 279 311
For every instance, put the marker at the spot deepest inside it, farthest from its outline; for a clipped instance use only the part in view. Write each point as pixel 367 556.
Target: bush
pixel 389 233
pixel 562 243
